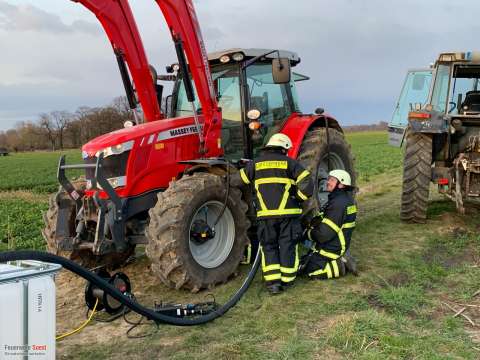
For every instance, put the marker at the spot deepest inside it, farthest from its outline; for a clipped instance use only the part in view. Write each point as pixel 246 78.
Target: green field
pixel 28 178
pixel 394 310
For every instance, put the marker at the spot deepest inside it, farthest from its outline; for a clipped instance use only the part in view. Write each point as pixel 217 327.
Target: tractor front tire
pixel 82 257
pixel 314 157
pixel 417 169
pixel 178 260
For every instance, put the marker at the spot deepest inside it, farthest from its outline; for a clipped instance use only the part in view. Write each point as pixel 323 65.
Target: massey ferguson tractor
pixel 163 180
pixel 442 137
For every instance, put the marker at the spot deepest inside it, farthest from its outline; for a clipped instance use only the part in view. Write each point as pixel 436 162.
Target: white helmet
pixel 342 176
pixel 280 140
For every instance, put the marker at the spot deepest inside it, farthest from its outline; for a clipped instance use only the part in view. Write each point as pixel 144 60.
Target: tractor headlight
pixel 225 59
pixel 238 56
pixel 117 149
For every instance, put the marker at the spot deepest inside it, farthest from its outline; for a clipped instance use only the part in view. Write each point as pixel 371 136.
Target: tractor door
pixel 274 101
pixel 416 88
pixel 227 83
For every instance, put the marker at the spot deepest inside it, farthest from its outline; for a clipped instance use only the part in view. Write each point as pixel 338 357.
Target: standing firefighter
pixel 281 184
pixel 331 231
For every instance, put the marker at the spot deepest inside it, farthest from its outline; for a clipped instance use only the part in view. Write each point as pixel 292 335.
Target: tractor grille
pixel 113 165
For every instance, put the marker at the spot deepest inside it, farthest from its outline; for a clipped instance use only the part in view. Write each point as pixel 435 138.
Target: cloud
pixel 31 18
pixel 356 52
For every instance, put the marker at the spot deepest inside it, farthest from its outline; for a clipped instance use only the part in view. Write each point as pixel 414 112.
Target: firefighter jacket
pixel 331 231
pixel 281 184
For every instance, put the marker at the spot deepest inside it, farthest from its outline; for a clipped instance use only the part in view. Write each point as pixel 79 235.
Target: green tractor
pixel 437 118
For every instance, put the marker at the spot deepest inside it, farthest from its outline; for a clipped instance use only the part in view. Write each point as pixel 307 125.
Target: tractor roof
pixel 466 57
pixel 251 53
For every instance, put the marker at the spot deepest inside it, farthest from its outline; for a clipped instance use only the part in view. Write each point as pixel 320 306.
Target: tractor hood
pixel 144 133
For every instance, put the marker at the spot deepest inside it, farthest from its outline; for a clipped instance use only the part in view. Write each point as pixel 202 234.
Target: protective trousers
pixel 320 267
pixel 279 246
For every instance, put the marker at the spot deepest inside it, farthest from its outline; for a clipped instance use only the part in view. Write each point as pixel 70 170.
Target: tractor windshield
pixel 465 94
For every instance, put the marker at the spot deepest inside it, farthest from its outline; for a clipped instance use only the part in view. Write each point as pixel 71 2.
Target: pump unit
pixel 27 310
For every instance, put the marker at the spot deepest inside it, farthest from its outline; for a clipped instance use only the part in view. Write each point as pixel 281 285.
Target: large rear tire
pixel 417 169
pixel 177 259
pixel 83 257
pixel 314 156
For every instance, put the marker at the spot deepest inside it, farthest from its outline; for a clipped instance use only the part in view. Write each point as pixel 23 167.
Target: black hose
pixel 125 300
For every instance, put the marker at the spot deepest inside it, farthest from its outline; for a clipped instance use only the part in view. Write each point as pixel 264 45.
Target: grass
pixel 34 171
pixel 21 222
pixel 393 310
pixel 373 155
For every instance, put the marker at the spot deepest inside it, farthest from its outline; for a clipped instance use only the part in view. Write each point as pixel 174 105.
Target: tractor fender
pixel 297 126
pixel 214 166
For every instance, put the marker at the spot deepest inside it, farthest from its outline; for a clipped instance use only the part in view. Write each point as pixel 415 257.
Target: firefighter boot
pixel 274 288
pixel 350 263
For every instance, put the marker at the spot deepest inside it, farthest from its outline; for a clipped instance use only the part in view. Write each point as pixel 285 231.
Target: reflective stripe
pixel 263 165
pixel 352 209
pixel 292 270
pixel 264 211
pixel 273 277
pixel 279 212
pixel 249 255
pixel 244 176
pixel 272 267
pixel 286 194
pixel 287 279
pixel 348 225
pixel 329 271
pixel 329 254
pixel 302 176
pixel 266 267
pixel 339 232
pixel 301 195
pixel 336 272
pixel 274 180
pixel 330 223
pixel 309 234
pixel 326 270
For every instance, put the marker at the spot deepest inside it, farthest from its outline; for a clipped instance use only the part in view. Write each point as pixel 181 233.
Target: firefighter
pixel 281 184
pixel 330 231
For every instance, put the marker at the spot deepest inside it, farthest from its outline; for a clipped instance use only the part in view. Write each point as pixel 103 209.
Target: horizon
pixel 356 54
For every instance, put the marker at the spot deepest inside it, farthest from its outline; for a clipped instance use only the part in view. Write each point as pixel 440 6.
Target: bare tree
pixel 47 123
pixel 61 120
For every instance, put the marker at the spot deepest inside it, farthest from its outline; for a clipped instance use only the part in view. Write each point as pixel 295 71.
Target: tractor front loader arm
pixel 182 21
pixel 119 24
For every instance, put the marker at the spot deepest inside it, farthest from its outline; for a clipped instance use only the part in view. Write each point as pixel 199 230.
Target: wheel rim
pixel 215 251
pixel 336 162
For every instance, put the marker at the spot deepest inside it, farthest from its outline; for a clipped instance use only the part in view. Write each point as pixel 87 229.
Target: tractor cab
pixel 450 87
pixel 456 90
pixel 254 97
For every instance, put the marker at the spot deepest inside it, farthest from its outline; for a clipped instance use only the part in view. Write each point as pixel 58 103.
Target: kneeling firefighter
pixel 330 231
pixel 281 184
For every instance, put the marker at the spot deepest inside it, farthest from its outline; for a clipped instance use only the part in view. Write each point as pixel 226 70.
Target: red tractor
pixel 163 181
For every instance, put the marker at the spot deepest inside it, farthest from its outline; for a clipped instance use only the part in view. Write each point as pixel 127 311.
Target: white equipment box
pixel 27 310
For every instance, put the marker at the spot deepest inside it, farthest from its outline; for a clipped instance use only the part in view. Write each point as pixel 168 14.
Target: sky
pixel 55 55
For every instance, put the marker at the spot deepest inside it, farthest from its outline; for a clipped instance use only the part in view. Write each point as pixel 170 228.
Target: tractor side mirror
pixel 281 70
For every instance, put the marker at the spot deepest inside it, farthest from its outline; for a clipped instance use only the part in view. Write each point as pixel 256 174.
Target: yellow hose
pixel 81 326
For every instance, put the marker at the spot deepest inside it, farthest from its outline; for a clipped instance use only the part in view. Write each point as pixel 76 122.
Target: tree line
pixel 58 130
